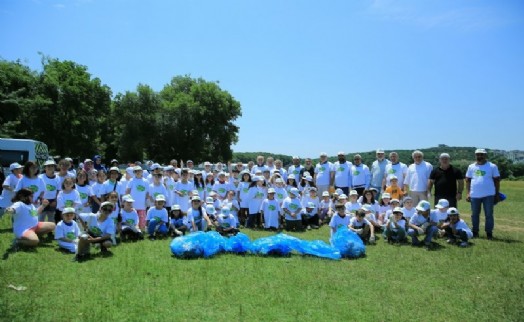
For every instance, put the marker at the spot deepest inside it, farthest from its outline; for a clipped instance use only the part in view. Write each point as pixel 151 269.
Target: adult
pixel 280 169
pixel 308 167
pixel 296 168
pixel 378 169
pixel 342 173
pixel 416 182
pixel 324 174
pixel 260 166
pixel 395 168
pixel 98 163
pixel 482 186
pixel 33 182
pixel 448 181
pixel 9 186
pixel 361 176
pixel 207 169
pixel 270 164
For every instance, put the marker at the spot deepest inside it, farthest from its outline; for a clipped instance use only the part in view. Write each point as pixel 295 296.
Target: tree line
pixel 76 115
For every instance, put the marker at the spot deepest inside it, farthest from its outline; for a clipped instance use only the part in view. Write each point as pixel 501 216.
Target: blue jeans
pixel 431 231
pixel 162 228
pixel 476 205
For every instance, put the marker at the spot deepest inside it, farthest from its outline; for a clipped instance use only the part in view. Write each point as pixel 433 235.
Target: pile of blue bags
pixel 344 244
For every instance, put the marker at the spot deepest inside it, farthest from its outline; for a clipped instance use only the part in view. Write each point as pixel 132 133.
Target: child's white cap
pixel 114 169
pixel 423 205
pixel 398 209
pixel 128 198
pixel 14 166
pixel 294 192
pixel 342 196
pixel 279 180
pixel 395 200
pixel 69 210
pixel 107 203
pixel 209 200
pixel 386 195
pixel 325 194
pixel 366 207
pixel 271 190
pixel 393 177
pixel 291 176
pixel 160 197
pixel 195 198
pixel 442 203
pixel 194 192
pixel 339 191
pixel 175 207
pixel 210 210
pixel 137 168
pixel 453 211
pixel 353 193
pixel 310 205
pixel 226 210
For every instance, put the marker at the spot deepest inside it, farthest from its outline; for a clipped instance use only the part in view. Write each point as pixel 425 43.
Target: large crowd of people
pixel 94 205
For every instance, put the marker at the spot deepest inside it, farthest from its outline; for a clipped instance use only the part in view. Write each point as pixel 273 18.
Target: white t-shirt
pixel 98 189
pixel 129 218
pixel 418 175
pixel 400 170
pixel 155 190
pixel 25 217
pixel 106 227
pixel 401 223
pixel 109 186
pixel 271 209
pixel 63 230
pixel 440 215
pixel 243 194
pixel 51 186
pixel 323 173
pixel 68 199
pixel 356 223
pixel 255 196
pixel 295 170
pixel 7 196
pixel 482 184
pixel 280 194
pixel 138 188
pixel 85 192
pixel 195 216
pixel 185 189
pixel 34 184
pixel 408 213
pixel 419 220
pixel 338 222
pixel 294 206
pixel 232 205
pixel 361 175
pixel 463 226
pixel 352 207
pixel 157 214
pixel 343 174
pixel 227 221
pixel 222 188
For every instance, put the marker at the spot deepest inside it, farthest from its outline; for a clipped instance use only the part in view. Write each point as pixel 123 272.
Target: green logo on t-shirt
pixel 83 195
pixel 157 219
pixel 259 195
pixel 322 169
pixel 293 206
pixel 245 190
pixel 295 172
pixel 183 192
pixel 356 173
pixel 480 173
pixel 69 203
pixel 96 231
pixel 140 188
pixel 171 187
pixel 341 169
pixel 34 213
pixel 70 235
pixel 221 190
pixel 50 187
pixel 33 188
pixel 392 171
pixel 272 207
pixel 280 196
pixel 130 222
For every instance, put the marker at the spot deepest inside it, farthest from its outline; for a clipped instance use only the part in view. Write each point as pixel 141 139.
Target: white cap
pixel 169 168
pixel 209 200
pixel 210 209
pixel 310 205
pixel 271 190
pixel 107 203
pixel 129 170
pixel 353 193
pixel 394 200
pixel 442 203
pixel 88 160
pixel 386 195
pixel 15 166
pixel 291 176
pixel 398 209
pixel 226 210
pixel 137 168
pixel 444 155
pixel 48 162
pixel 307 177
pixel 423 206
pixel 114 169
pixel 195 198
pixel 207 163
pixel 341 153
pixel 339 191
pixel 69 210
pixel 325 194
pixel 453 211
pixel 294 192
pixel 155 166
pixel 160 197
pixel 380 150
pixel 128 198
pixel 342 196
pixel 175 207
pixel 481 151
pixel 393 177
pixel 366 207
pixel 323 154
pixel 279 180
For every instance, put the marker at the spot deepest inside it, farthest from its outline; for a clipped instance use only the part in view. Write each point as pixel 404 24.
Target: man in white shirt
pixel 342 173
pixel 324 174
pixel 378 169
pixel 416 182
pixel 395 168
pixel 361 176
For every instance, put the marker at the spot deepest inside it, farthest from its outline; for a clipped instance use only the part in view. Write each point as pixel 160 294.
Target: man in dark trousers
pixel 448 181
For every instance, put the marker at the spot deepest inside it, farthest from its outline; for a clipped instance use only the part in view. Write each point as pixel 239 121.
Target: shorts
pixel 33 229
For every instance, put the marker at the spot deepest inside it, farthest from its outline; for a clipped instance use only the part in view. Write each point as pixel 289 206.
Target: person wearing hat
pixel 325 208
pixel 310 217
pixel 256 194
pixel 52 187
pixel 360 174
pixel 340 219
pixel 130 229
pixel 394 168
pixel 422 223
pixel 9 186
pixel 394 190
pixel 182 190
pixel 292 209
pixel 157 218
pixel 270 210
pixel 280 190
pixel 353 205
pixel 342 173
pixel 306 184
pixel 99 228
pixel 155 169
pixel 457 229
pixel 395 228
pixel 197 216
pixel 178 224
pixel 378 170
pixel 112 184
pixel 483 187
pixel 156 188
pixel 226 224
pixel 138 189
pixel 26 226
pixel 67 231
pixel 416 182
pixel 324 176
pixel 222 186
pixel 447 180
pixel 243 196
pixel 364 228
pixel 408 210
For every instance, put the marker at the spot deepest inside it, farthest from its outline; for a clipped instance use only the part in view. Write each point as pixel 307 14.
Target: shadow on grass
pixel 6 230
pixel 505 240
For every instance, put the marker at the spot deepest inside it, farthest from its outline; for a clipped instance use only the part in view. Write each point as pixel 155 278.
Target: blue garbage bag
pixel 318 248
pixel 198 244
pixel 240 244
pixel 279 245
pixel 348 243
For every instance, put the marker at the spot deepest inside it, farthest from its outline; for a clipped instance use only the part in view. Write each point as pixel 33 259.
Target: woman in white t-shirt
pixel 26 227
pixel 31 181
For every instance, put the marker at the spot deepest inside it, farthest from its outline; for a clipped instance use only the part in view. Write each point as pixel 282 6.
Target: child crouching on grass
pixel 362 227
pixel 339 219
pixel 227 223
pixel 457 229
pixel 130 219
pixel 67 231
pixel 99 228
pixel 395 230
pixel 422 223
pixel 178 224
pixel 157 219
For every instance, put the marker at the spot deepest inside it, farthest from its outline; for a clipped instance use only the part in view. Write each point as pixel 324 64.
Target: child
pixel 280 191
pixel 210 182
pixel 156 220
pixel 394 190
pixel 227 223
pixel 362 227
pixel 178 224
pixel 325 208
pixel 456 228
pixel 368 198
pixel 353 205
pixel 68 197
pixel 408 210
pixel 156 188
pixel 9 186
pixel 138 188
pixel 257 194
pixel 293 211
pixel 394 203
pixel 291 183
pixel 232 203
pixel 31 181
pixel 115 215
pixel 51 190
pixel 26 227
pixel 84 190
pixel 182 190
pixel 243 197
pixel 270 210
pixel 310 216
pixel 421 223
pixel 130 229
pixel 383 207
pixel 395 230
pixel 99 228
pixel 98 190
pixel 197 216
pixel 67 231
pixel 211 212
pixel 441 213
pixel 370 216
pixel 339 219
pixel 311 197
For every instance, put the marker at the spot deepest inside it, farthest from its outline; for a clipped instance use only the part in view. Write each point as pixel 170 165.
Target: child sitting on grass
pixel 422 223
pixel 227 223
pixel 362 227
pixel 156 220
pixel 339 219
pixel 395 230
pixel 457 229
pixel 130 229
pixel 67 231
pixel 178 224
pixel 99 228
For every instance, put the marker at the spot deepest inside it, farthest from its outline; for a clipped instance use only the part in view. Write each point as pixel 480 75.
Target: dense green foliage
pixel 75 114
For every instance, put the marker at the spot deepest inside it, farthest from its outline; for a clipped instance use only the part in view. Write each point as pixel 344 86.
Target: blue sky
pixel 311 76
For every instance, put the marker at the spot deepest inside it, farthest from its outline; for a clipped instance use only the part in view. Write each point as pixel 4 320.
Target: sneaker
pixel 308 227
pixel 451 241
pixel 372 240
pixel 315 227
pixel 151 237
pixel 489 236
pixel 464 244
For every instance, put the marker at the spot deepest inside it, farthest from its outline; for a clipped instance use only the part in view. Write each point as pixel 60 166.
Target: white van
pixel 21 151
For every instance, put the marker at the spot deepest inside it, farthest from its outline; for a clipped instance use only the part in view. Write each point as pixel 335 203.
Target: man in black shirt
pixel 448 181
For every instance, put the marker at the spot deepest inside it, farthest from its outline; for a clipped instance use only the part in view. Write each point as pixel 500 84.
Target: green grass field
pixel 143 282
